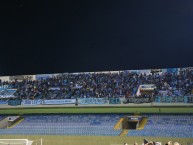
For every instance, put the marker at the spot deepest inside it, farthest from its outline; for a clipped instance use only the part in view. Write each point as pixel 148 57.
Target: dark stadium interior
pixel 132 125
pixel 45 36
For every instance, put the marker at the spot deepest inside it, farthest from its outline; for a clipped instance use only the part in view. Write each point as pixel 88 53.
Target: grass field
pixel 97 110
pixel 94 140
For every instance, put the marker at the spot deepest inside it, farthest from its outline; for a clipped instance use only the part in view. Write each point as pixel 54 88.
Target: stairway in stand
pixel 15 123
pixel 143 123
pixel 124 132
pixel 118 125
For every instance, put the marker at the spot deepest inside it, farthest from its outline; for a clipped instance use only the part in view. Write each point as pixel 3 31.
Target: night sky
pixel 44 36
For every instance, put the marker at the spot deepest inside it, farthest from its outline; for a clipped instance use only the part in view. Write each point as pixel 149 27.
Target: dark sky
pixel 44 36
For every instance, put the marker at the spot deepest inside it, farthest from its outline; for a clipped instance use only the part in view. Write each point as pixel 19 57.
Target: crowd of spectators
pixel 146 142
pixel 86 85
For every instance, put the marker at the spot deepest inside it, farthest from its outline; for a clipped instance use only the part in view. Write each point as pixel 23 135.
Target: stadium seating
pixel 66 125
pixel 167 125
pixel 1 117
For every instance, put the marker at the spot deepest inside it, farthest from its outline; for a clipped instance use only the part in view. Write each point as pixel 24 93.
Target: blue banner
pixel 92 101
pixel 172 70
pixel 173 99
pixel 4 87
pixel 190 99
pixel 7 88
pixel 3 102
pixel 32 102
pixel 7 93
pixel 14 102
pixel 11 90
pixel 43 76
pixel 114 101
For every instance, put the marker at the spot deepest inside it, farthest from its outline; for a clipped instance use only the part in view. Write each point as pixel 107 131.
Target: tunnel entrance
pixel 131 122
pixel 132 125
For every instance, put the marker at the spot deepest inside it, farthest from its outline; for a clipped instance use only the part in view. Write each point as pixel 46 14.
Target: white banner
pixel 54 88
pixel 7 95
pixel 77 87
pixel 60 101
pixel 144 88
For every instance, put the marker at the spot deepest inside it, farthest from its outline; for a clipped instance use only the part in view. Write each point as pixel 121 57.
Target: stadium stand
pixel 87 85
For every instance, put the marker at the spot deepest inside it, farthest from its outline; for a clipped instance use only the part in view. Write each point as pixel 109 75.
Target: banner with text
pixel 32 102
pixel 59 101
pixel 114 101
pixel 14 102
pixel 138 100
pixel 93 101
pixel 7 93
pixel 173 99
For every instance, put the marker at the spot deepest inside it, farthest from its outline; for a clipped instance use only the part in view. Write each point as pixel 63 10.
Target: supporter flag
pixel 147 87
pixel 172 70
pixel 54 88
pixel 77 86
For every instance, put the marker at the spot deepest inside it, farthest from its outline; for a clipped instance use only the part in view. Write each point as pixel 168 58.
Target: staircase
pixel 143 123
pixel 15 123
pixel 118 125
pixel 124 132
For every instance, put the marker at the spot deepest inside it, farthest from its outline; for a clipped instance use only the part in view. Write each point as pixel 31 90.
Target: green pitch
pixel 92 140
pixel 96 110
